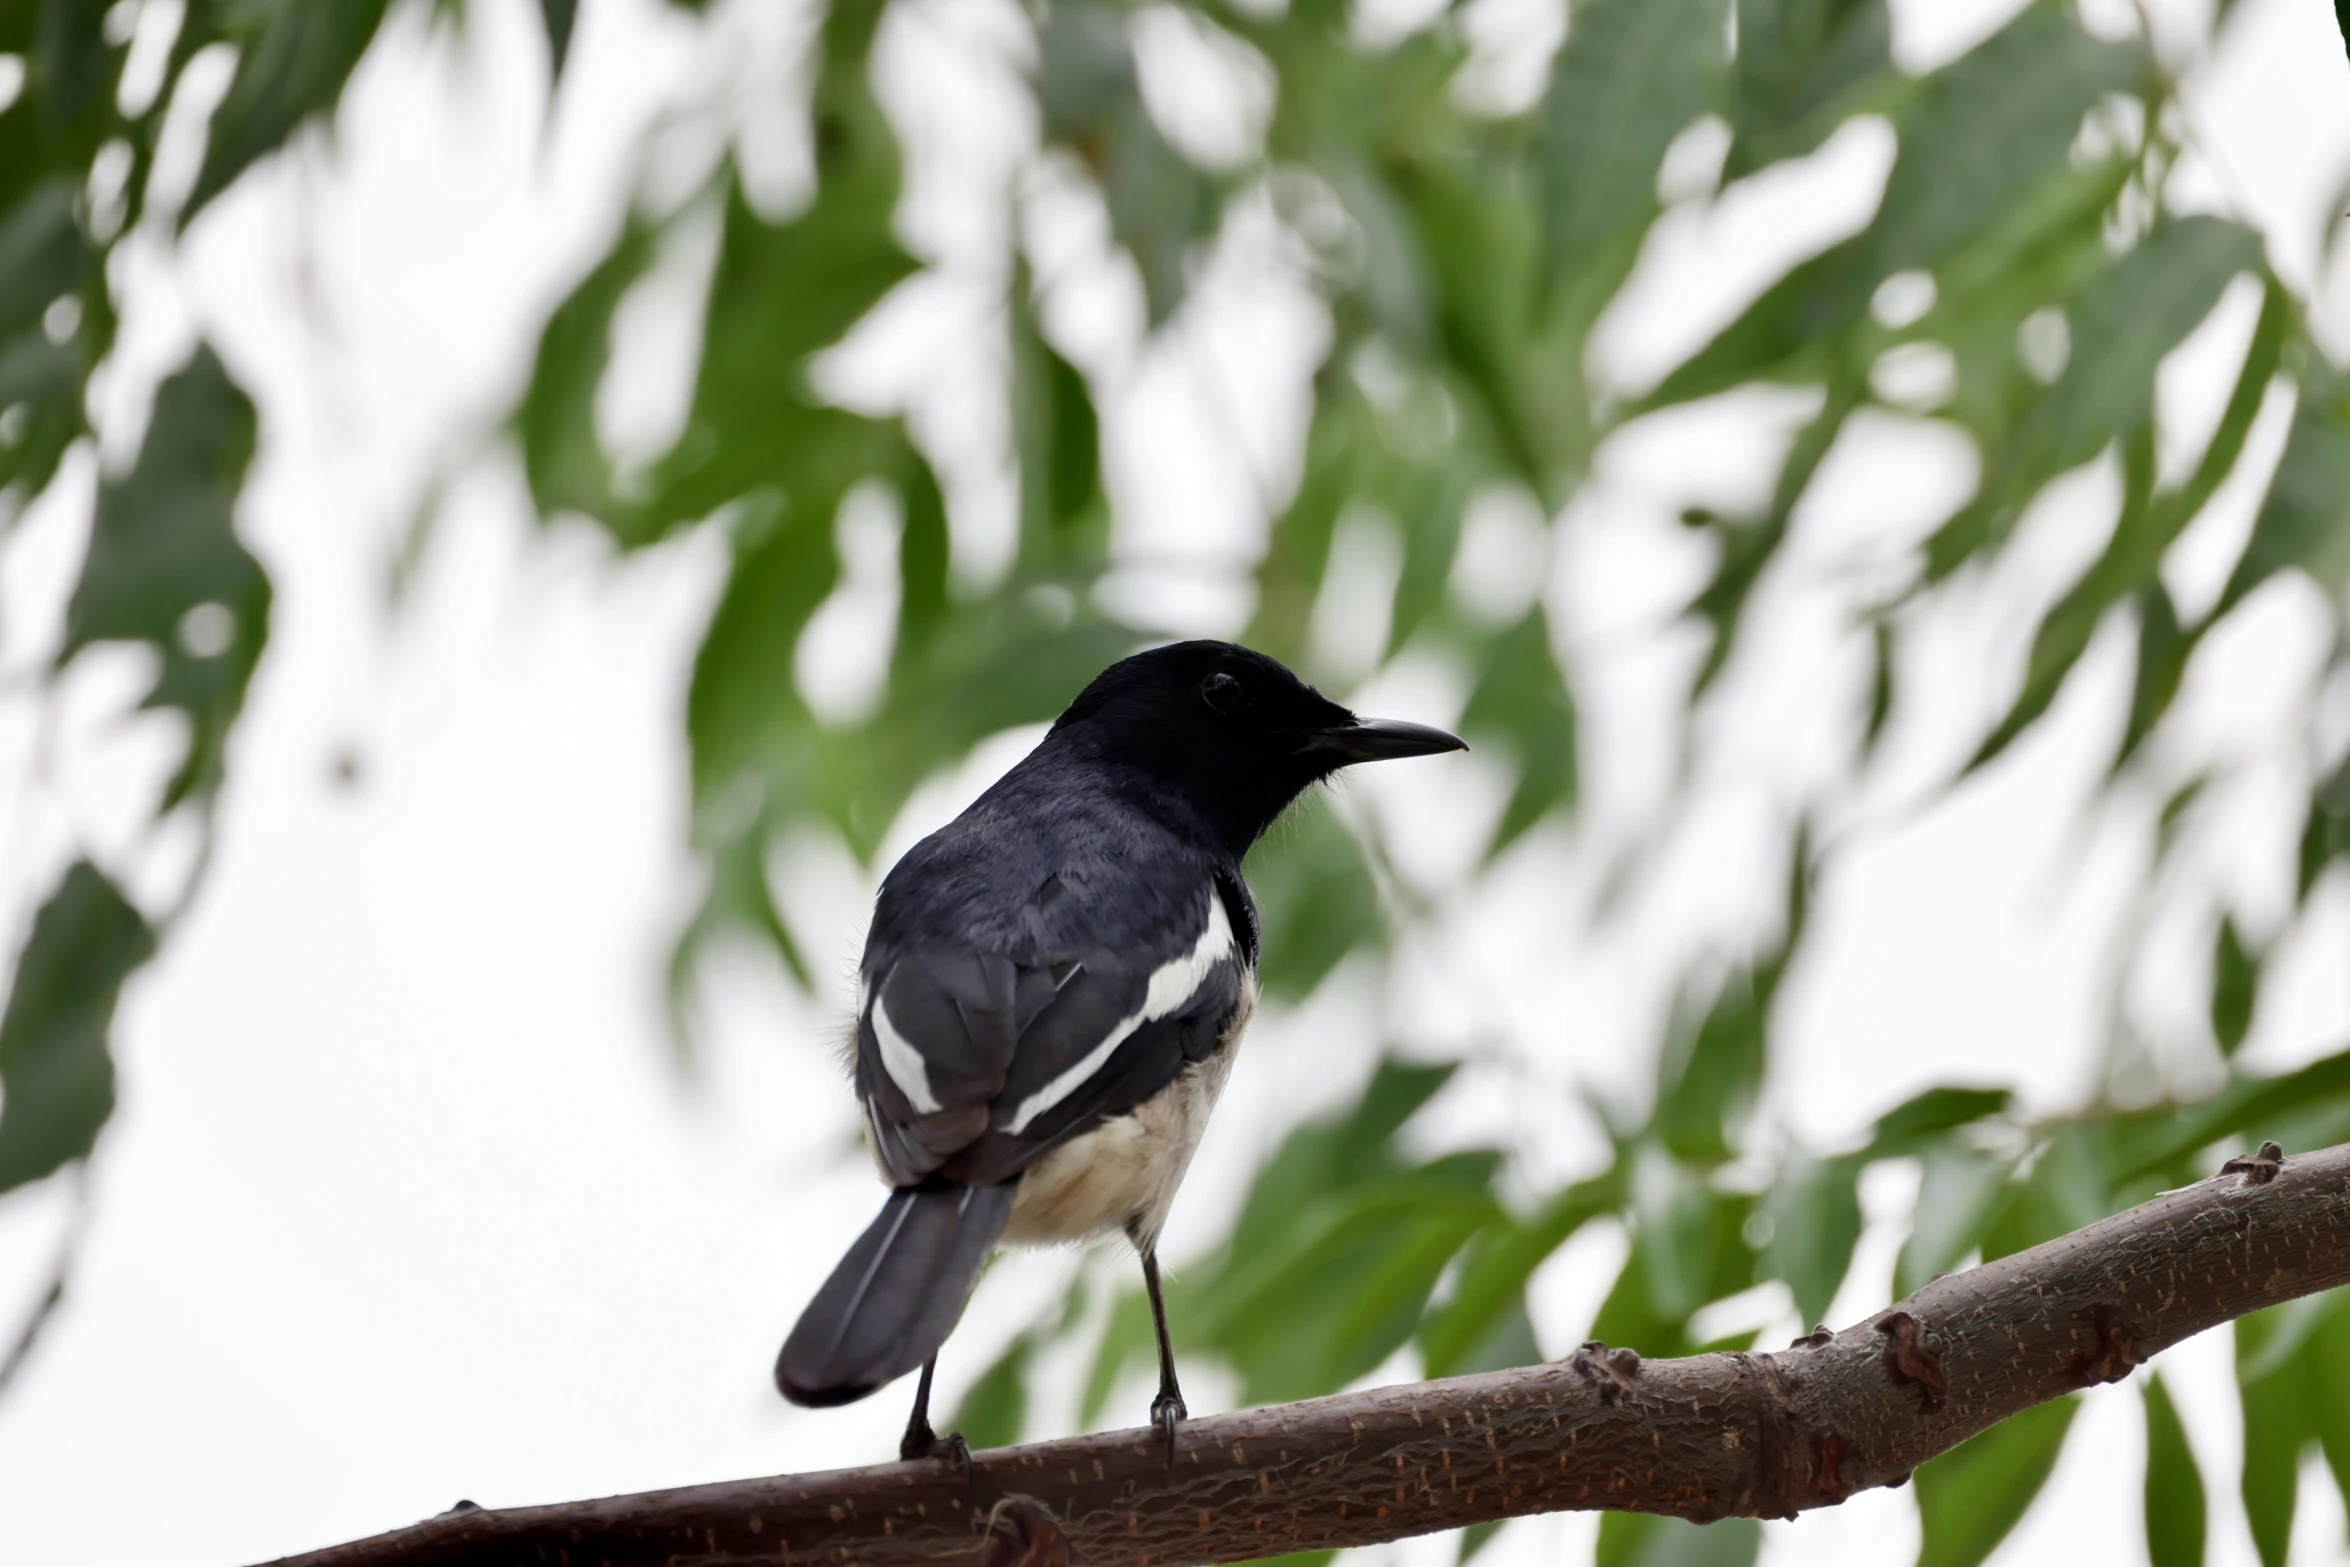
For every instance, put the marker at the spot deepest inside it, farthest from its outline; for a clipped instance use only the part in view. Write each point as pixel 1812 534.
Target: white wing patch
pixel 903 1062
pixel 1171 986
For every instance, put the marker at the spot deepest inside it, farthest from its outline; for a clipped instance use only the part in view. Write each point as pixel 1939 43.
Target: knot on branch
pixel 1913 1356
pixel 1022 1532
pixel 1782 1483
pixel 1818 1338
pixel 2114 1352
pixel 1779 1436
pixel 1612 1369
pixel 2260 1168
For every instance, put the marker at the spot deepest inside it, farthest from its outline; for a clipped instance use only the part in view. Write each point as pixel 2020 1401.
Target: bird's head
pixel 1228 733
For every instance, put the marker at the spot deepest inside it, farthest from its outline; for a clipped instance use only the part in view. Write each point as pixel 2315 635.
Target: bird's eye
pixel 1224 692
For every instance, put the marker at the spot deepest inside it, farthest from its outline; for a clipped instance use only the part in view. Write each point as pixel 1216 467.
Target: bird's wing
pixel 973 1063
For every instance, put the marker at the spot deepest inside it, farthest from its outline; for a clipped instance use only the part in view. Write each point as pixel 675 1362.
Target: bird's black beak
pixel 1379 740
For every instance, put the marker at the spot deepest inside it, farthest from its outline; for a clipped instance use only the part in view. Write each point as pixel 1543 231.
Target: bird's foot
pixel 1166 1411
pixel 921 1442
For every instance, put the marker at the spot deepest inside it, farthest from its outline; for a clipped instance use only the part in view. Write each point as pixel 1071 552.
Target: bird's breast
pixel 1121 1176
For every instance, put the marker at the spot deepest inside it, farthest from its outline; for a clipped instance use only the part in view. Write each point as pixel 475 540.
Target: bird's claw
pixel 922 1442
pixel 1166 1411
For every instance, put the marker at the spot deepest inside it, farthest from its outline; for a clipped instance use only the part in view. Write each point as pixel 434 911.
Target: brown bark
pixel 1759 1435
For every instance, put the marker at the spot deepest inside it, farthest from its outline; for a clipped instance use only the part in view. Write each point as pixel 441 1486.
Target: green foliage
pixel 1160 205
pixel 995 1407
pixel 1478 253
pixel 293 57
pixel 2235 981
pixel 54 1066
pixel 1464 259
pixel 2174 1486
pixel 1639 1540
pixel 2280 1422
pixel 1970 1497
pixel 165 569
pixel 1814 1212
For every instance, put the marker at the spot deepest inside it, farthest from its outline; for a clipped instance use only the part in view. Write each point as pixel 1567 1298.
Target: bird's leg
pixel 1167 1408
pixel 922 1442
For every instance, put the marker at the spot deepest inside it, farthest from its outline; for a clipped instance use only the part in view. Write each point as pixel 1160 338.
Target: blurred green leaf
pixel 1430 511
pixel 1341 447
pixel 1924 1118
pixel 994 1409
pixel 1985 131
pixel 1475 263
pixel 2124 322
pixel 562 457
pixel 1982 182
pixel 2328 1369
pixel 41 255
pixel 1334 1152
pixel 1521 701
pixel 1789 333
pixel 2254 380
pixel 2325 833
pixel 2305 521
pixel 1685 1252
pixel 1474 1539
pixel 1711 1069
pixel 2065 634
pixel 1748 546
pixel 1316 901
pixel 2157 1139
pixel 1491 1287
pixel 166 568
pixel 1509 1341
pixel 1814 1209
pixel 559 16
pixel 293 57
pixel 2163 649
pixel 1632 75
pixel 1803 67
pixel 1961 1195
pixel 781 292
pixel 1970 1497
pixel 56 1078
pixel 2235 984
pixel 1127 1339
pixel 1064 516
pixel 2279 1425
pixel 1644 1540
pixel 71 78
pixel 1350 1280
pixel 2284 1332
pixel 1160 205
pixel 2174 1485
pixel 2066 1189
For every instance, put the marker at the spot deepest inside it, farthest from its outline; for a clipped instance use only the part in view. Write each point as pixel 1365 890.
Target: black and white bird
pixel 1050 997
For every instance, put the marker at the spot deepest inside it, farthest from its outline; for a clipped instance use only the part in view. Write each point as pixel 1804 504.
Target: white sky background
pixel 405 1202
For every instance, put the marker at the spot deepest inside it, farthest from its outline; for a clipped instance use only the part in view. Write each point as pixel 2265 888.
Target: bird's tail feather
pixel 895 1297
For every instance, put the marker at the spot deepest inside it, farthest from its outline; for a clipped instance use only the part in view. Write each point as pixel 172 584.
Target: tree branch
pixel 1711 1436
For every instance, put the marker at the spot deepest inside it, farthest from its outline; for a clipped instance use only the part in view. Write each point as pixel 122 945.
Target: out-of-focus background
pixel 512 515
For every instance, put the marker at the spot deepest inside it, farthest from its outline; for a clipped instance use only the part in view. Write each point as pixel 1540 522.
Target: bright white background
pixel 406 1200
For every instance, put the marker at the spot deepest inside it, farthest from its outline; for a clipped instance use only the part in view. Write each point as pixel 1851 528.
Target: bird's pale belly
pixel 1122 1175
